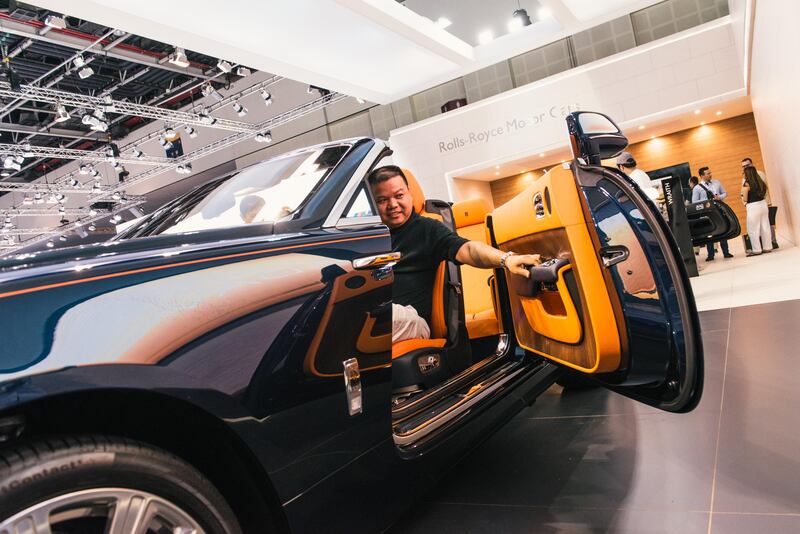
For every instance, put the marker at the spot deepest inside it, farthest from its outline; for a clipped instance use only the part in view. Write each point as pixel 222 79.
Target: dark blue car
pixel 225 364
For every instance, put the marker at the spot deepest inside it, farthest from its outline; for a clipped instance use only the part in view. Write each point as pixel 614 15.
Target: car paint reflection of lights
pixel 239 108
pixel 91 228
pixel 50 244
pixel 267 96
pixel 116 218
pixel 62 238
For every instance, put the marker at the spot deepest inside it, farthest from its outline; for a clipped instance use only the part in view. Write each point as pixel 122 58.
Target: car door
pixel 710 221
pixel 612 299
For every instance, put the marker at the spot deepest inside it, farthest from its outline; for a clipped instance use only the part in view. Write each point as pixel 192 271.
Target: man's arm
pixel 483 256
pixel 722 193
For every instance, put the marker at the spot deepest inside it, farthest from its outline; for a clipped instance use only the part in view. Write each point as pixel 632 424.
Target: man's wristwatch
pixel 504 257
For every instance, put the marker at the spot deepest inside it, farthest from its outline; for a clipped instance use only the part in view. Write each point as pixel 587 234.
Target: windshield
pixel 262 193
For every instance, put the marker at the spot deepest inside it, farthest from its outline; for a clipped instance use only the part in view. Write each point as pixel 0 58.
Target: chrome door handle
pixel 614 254
pixel 379 260
pixel 352 386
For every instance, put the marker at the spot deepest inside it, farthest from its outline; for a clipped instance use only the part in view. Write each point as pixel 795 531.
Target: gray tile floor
pixel 592 461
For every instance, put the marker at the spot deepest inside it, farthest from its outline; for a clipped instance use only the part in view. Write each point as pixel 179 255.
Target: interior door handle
pixel 379 260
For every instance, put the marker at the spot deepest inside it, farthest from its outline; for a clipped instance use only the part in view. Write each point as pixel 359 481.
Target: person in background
pixel 707 189
pixel 748 162
pixel 754 192
pixel 693 181
pixel 627 164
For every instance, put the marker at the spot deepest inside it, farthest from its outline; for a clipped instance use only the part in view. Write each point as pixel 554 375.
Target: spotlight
pixel 96 188
pixel 208 90
pixel 186 168
pixel 264 137
pixel 50 244
pixel 206 118
pixel 519 19
pixel 116 195
pixel 74 183
pixel 123 173
pixel 112 152
pixel 10 163
pixel 116 218
pixel 5 174
pixel 27 150
pixel 38 198
pixel 62 114
pixel 169 133
pixel 224 66
pixel 60 197
pixel 242 71
pixel 138 154
pixel 190 131
pixel 85 72
pixel 166 145
pixel 27 200
pixel 54 21
pixel 79 61
pixel 321 90
pixel 178 58
pixel 62 210
pixel 239 109
pixel 84 169
pixel 108 104
pixel 92 212
pixel 95 173
pixel 19 158
pixel 266 96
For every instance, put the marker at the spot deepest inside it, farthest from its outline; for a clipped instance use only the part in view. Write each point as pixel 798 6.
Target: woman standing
pixel 754 191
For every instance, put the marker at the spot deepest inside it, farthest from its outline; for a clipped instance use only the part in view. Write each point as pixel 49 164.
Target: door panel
pixel 634 326
pixel 711 220
pixel 576 328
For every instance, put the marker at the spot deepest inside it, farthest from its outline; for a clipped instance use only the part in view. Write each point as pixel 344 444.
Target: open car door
pixel 612 299
pixel 711 220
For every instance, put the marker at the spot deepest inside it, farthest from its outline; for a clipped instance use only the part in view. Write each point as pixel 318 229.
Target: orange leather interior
pixel 404 347
pixel 438 324
pixel 589 338
pixel 479 305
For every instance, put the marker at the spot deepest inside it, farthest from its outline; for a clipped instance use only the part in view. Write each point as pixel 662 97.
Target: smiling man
pixel 423 243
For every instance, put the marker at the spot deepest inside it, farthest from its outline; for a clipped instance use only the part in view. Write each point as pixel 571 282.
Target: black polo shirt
pixel 423 243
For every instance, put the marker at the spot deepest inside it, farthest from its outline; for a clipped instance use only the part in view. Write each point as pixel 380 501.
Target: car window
pixel 265 192
pixel 360 205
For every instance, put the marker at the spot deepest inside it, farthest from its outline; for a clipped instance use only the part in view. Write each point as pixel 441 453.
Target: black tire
pixel 31 473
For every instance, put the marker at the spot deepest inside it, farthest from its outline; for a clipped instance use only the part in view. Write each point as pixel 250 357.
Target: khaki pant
pixel 407 324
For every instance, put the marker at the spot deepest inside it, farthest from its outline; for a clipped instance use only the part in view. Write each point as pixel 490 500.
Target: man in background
pixel 710 188
pixel 627 164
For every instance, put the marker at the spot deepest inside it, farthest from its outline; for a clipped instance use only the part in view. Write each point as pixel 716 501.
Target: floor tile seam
pixel 719 426
pixel 771 514
pixel 567 508
pixel 552 417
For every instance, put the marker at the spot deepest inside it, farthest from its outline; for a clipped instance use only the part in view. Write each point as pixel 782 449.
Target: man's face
pixel 707 176
pixel 746 163
pixel 394 201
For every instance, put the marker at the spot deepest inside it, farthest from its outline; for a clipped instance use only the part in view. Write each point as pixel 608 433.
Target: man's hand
pixel 516 264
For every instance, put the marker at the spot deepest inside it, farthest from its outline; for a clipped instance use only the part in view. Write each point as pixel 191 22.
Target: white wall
pixel 665 78
pixel 775 78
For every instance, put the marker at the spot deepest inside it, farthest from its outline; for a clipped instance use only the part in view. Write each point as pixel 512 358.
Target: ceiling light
pixel 4 173
pixel 514 24
pixel 702 124
pixel 497 174
pixel 74 183
pixel 50 244
pixel 94 172
pixel 360 100
pixel 641 127
pixel 697 111
pixel 190 131
pixel 84 169
pixel 169 133
pixel 19 158
pixel 224 66
pixel 541 154
pixel 321 90
pixel 186 168
pixel 38 199
pixel 62 209
pixel 138 154
pixel 264 137
pixel 79 61
pixel 96 188
pixel 54 21
pixel 719 113
pixel 208 90
pixel 497 166
pixel 266 96
pixel 27 200
pixel 60 197
pixel 85 72
pixel 116 195
pixel 543 13
pixel 239 109
pixel 108 104
pixel 206 118
pixel 485 36
pixel 242 71
pixel 61 114
pixel 116 218
pixel 92 212
pixel 178 58
pixel 10 163
pixel 443 22
pixel 166 145
pixel 27 150
pixel 652 137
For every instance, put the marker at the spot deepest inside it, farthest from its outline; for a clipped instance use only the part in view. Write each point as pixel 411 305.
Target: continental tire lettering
pixel 53 467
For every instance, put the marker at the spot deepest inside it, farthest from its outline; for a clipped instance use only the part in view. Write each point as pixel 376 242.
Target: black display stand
pixel 679 222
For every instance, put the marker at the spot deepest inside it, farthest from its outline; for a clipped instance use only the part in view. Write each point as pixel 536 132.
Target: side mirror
pixel 594 137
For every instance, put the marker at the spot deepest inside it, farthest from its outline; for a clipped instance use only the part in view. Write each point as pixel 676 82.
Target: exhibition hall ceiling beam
pixel 378 50
pixel 82 155
pixel 53 132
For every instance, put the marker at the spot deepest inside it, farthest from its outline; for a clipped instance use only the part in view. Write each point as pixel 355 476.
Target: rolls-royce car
pixel 225 363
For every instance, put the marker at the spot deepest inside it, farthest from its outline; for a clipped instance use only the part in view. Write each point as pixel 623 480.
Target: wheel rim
pixel 105 511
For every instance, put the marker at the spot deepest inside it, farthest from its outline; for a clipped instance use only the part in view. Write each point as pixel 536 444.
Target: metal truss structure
pixel 94 156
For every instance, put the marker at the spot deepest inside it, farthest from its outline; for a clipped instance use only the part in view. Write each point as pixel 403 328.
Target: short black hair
pixel 387 172
pixel 694 180
pixel 748 159
pixel 702 171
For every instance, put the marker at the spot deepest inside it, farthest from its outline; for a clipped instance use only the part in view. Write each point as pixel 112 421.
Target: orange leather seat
pixel 438 323
pixel 479 305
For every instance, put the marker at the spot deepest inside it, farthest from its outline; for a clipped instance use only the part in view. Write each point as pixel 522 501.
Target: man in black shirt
pixel 424 243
